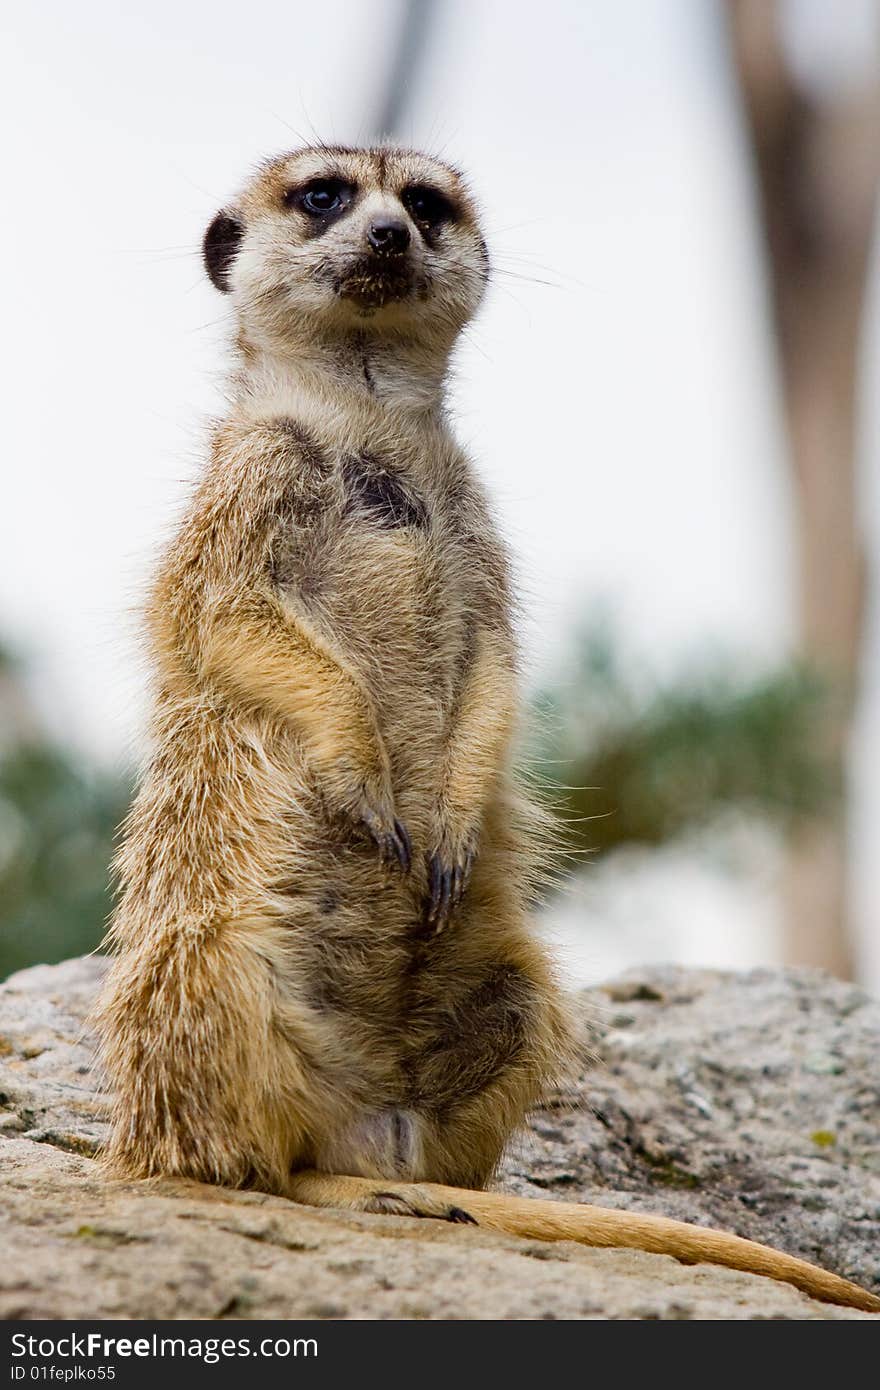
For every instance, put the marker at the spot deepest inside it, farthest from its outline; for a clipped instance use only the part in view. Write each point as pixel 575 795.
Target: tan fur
pixel 298 991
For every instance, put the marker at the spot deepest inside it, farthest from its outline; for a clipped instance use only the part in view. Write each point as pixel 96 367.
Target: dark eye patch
pixel 428 206
pixel 320 201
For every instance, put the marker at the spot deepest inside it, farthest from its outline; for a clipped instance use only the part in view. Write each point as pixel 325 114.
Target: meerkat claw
pixel 403 847
pixel 459 883
pixel 446 887
pixel 439 888
pixel 462 1217
pixel 394 845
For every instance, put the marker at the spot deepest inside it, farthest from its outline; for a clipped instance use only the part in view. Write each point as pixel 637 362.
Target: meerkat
pixel 325 982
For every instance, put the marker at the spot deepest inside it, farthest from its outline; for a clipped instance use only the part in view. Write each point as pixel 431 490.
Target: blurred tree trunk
pixel 413 36
pixel 816 160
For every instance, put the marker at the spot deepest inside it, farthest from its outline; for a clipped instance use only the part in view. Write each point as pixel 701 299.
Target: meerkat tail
pixel 537 1219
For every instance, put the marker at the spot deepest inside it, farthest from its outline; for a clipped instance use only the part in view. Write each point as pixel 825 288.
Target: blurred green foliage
pixel 630 759
pixel 57 820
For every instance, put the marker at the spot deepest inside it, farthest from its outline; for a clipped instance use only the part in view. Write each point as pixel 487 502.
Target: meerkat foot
pixel 376 1197
pixel 415 1204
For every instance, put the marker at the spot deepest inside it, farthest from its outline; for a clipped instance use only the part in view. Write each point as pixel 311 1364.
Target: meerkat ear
pixel 222 240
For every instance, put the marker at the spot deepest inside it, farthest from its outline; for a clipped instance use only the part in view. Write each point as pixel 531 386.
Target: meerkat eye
pixel 324 197
pixel 427 205
pixel 321 197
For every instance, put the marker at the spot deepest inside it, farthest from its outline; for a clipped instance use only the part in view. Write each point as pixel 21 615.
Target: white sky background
pixel 625 415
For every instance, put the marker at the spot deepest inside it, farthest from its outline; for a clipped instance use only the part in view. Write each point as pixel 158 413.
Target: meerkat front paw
pixel 449 872
pixel 367 802
pixel 389 835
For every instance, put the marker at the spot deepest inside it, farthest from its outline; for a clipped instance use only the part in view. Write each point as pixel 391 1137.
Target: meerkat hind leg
pixel 537 1219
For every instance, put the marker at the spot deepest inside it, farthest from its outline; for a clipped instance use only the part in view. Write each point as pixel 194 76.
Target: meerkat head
pixel 379 241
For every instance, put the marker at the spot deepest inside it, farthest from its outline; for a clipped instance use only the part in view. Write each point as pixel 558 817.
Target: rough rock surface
pixel 750 1102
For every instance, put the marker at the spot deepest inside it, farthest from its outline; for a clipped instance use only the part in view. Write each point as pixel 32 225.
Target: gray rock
pixel 749 1102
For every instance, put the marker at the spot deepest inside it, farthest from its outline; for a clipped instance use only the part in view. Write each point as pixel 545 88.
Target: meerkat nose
pixel 388 236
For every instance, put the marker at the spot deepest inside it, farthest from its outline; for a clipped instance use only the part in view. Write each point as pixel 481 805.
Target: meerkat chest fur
pixel 373 528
